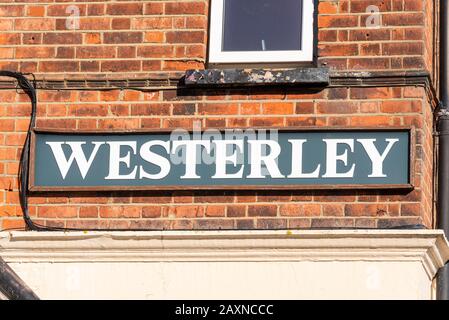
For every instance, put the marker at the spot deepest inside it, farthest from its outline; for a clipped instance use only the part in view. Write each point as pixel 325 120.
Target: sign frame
pixel 293 187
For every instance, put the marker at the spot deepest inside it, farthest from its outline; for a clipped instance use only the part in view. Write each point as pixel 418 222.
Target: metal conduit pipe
pixel 443 146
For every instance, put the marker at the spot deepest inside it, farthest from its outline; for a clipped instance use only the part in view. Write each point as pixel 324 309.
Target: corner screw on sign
pixel 73 21
pixel 374 19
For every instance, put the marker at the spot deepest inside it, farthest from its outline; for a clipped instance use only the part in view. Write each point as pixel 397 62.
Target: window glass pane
pixel 262 25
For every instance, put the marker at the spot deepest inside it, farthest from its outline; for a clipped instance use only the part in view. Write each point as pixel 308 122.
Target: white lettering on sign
pixel 297 171
pixel 333 158
pixel 377 159
pixel 256 147
pixel 77 155
pixel 156 159
pixel 222 158
pixel 115 160
pixel 126 162
pixel 191 148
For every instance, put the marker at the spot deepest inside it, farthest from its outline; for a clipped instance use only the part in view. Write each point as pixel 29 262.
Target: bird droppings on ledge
pixel 252 77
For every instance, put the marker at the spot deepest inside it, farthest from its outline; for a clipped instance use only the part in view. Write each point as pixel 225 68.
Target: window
pixel 261 31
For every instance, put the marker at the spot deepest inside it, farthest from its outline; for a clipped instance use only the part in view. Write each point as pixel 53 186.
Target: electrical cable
pixel 30 90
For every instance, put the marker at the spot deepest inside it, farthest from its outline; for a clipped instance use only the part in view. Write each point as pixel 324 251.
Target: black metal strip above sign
pixel 212 159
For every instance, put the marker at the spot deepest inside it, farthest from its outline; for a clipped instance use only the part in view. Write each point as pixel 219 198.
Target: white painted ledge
pixel 428 247
pixel 220 265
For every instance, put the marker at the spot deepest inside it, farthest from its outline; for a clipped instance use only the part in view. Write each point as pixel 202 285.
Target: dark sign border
pixel 409 186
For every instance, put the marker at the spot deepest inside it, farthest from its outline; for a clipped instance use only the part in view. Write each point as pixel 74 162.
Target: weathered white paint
pixel 228 264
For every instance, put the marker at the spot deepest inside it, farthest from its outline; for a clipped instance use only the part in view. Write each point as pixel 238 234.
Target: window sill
pixel 257 77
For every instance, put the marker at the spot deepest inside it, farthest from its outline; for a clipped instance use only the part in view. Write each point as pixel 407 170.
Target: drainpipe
pixel 443 146
pixel 12 286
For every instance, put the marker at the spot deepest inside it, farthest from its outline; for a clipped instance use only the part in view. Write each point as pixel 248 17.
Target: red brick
pixel 124 8
pixel 277 108
pixel 152 23
pixel 151 212
pixel 154 8
pixel 334 21
pixel 187 211
pixel 32 24
pixel 236 211
pixel 213 224
pixel 327 8
pixel 62 38
pixel 185 37
pixel 217 109
pixel 332 223
pixel 118 124
pixel 291 210
pixel 35 52
pixel 88 212
pixel 271 224
pixel 185 8
pixel 94 52
pixel 58 66
pixel 6 125
pixel 12 10
pixel 403 19
pixel 122 37
pixel 262 211
pixel 337 107
pixel 333 210
pixel 410 209
pixel 365 210
pixel 338 50
pixel 9 39
pixel 215 211
pixel 407 48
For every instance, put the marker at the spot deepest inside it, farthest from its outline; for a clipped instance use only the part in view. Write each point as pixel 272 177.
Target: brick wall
pixel 131 36
pixel 404 40
pixel 157 41
pixel 150 36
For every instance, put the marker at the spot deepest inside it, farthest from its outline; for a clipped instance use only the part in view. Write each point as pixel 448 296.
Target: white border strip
pixel 429 247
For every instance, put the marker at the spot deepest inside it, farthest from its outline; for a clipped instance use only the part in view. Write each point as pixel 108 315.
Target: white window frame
pixel 216 55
